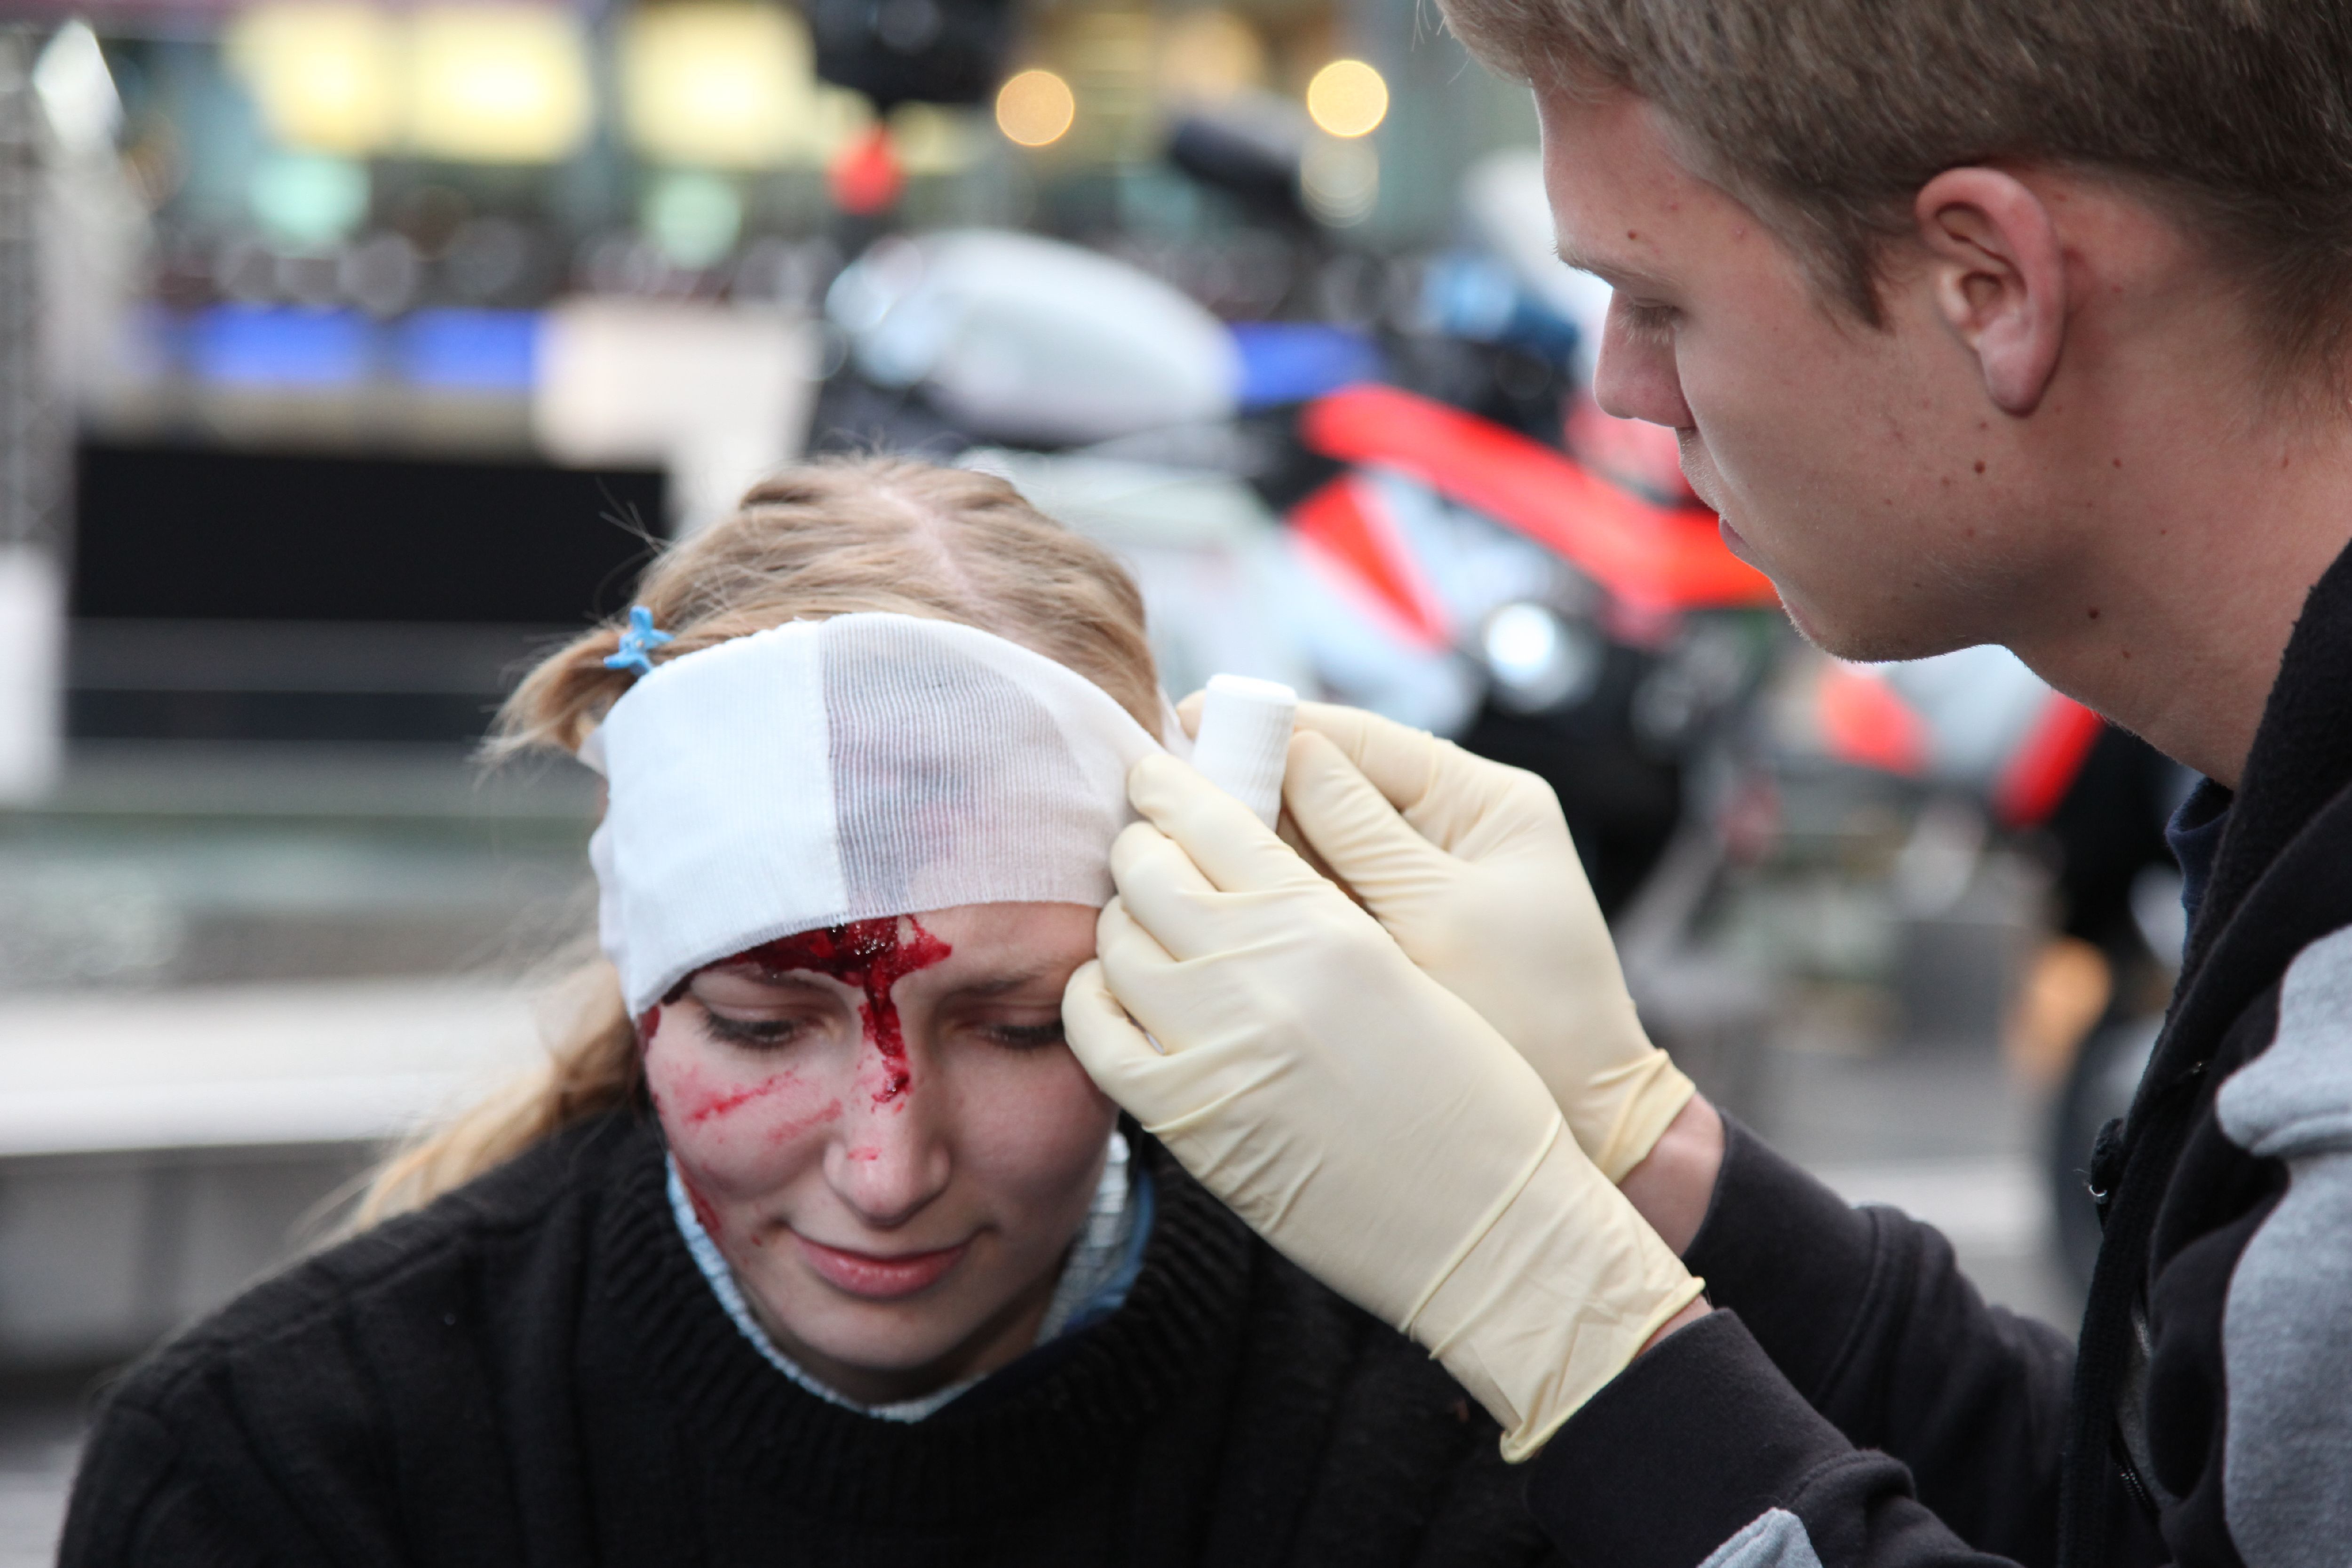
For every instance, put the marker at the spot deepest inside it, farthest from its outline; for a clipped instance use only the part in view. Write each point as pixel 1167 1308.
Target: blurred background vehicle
pixel 352 351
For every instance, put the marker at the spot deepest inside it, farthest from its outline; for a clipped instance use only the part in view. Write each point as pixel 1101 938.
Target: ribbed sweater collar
pixel 2301 760
pixel 1037 1427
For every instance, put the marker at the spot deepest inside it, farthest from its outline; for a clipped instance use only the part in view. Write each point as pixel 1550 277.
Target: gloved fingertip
pixel 1088 988
pixel 1121 941
pixel 1086 985
pixel 1159 782
pixel 1136 839
pixel 1313 771
pixel 1188 714
pixel 1143 853
pixel 1098 1029
pixel 1312 748
pixel 1331 719
pixel 1342 813
pixel 1109 921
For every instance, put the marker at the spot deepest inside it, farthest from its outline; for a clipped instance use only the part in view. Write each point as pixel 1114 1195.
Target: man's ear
pixel 1999 277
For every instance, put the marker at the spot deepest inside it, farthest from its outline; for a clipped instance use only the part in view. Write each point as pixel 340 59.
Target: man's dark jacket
pixel 1860 1404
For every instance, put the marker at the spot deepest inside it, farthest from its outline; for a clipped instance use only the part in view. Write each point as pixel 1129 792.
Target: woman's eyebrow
pixel 997 985
pixel 759 974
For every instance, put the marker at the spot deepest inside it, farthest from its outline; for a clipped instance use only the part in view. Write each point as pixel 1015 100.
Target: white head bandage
pixel 833 771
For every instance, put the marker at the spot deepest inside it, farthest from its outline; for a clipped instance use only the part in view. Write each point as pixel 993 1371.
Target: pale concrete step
pixel 160 1150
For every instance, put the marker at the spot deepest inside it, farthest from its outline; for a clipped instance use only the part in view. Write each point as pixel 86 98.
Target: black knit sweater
pixel 532 1370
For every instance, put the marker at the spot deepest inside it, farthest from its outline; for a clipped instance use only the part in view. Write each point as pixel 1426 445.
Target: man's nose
pixel 887 1157
pixel 1636 376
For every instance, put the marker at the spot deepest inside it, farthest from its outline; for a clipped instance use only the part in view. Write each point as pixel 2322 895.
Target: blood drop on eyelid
pixel 870 955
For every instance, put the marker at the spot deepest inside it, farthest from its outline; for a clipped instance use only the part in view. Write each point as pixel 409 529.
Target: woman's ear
pixel 2000 279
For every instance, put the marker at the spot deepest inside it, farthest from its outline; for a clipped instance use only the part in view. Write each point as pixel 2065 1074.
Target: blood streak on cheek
pixel 870 955
pixel 703 1212
pixel 792 1127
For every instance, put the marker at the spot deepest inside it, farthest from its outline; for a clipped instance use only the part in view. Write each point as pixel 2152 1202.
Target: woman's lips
pixel 879 1279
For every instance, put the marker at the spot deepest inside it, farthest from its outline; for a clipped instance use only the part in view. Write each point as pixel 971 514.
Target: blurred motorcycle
pixel 1992 751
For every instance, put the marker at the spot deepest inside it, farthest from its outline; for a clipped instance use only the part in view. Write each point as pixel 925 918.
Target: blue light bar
pixel 471 351
pixel 273 345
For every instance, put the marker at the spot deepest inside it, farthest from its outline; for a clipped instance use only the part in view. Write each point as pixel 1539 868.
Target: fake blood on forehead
pixel 872 956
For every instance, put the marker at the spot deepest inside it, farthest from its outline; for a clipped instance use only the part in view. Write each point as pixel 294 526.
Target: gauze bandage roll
pixel 1244 740
pixel 833 771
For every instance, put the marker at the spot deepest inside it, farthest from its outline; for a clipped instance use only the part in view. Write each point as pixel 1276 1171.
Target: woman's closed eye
pixel 756 1032
pixel 1026 1037
pixel 758 1012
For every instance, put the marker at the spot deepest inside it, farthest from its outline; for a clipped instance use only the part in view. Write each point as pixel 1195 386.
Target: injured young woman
pixel 810 1243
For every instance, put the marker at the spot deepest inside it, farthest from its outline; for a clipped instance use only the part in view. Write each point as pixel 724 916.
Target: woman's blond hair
pixel 825 539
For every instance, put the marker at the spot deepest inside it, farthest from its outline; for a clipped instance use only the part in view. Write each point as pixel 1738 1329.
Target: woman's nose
pixel 887 1158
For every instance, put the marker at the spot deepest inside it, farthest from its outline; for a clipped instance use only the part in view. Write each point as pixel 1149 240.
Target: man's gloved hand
pixel 1468 864
pixel 1355 1113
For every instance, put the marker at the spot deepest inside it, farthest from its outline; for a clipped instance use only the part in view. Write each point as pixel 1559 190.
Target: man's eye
pixel 1026 1037
pixel 1646 320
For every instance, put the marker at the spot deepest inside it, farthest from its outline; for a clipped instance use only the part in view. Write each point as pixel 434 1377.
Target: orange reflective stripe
pixel 2047 763
pixel 1652 556
pixel 1343 529
pixel 1865 722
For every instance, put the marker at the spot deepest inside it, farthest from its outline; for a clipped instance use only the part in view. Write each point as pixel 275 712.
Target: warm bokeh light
pixel 326 78
pixel 499 84
pixel 932 140
pixel 1035 108
pixel 1208 56
pixel 1348 98
pixel 724 85
pixel 1340 179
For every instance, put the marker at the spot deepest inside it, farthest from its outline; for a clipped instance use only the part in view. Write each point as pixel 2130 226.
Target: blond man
pixel 2019 322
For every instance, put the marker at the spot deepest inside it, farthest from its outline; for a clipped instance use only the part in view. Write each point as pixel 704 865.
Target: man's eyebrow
pixel 1580 261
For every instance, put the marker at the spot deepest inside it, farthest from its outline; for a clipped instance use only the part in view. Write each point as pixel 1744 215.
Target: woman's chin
pixel 877 1351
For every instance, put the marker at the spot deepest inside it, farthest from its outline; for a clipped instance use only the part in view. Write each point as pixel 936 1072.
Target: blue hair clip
pixel 638 642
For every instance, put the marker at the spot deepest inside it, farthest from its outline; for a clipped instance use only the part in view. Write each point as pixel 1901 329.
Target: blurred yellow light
pixel 930 140
pixel 1340 180
pixel 1208 56
pixel 325 77
pixel 497 84
pixel 725 85
pixel 1348 98
pixel 1035 108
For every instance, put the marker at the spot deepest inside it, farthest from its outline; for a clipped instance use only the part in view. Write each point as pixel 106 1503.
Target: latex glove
pixel 1356 1114
pixel 1469 866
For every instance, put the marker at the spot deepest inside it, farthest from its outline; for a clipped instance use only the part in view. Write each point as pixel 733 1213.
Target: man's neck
pixel 2175 622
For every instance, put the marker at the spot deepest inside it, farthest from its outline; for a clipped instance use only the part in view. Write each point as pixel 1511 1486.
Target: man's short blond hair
pixel 1829 115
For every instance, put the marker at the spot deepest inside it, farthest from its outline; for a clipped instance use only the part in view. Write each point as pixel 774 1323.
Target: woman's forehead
pixel 984 947
pixel 996 928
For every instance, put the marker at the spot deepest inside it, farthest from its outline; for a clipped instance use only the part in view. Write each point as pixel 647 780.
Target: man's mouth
pixel 1733 542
